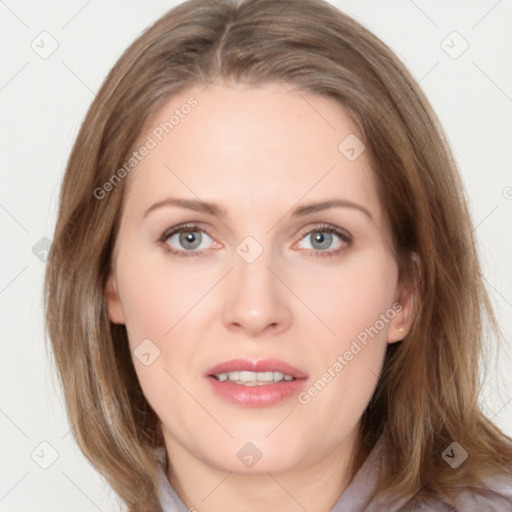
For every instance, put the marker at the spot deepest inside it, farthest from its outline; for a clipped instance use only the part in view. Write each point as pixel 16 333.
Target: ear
pixel 114 306
pixel 405 307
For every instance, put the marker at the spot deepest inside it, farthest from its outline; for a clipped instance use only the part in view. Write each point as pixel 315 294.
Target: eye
pixel 186 241
pixel 322 238
pixel 190 240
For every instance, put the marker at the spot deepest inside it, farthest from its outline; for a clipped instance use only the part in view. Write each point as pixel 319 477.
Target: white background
pixel 43 102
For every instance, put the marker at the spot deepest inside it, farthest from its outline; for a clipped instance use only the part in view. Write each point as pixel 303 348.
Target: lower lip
pixel 256 396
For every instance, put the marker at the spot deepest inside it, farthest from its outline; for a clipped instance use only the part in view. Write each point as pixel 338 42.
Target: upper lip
pixel 261 365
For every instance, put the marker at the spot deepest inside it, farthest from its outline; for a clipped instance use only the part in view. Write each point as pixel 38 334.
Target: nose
pixel 256 300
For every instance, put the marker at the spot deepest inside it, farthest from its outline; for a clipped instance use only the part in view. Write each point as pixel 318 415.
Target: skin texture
pixel 259 152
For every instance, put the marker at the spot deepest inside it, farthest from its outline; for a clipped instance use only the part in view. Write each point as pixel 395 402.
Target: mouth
pixel 252 383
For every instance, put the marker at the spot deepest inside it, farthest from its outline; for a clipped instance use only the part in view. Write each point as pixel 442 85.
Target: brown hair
pixel 427 396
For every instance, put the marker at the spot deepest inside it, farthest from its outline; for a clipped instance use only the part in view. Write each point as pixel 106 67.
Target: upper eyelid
pixel 184 227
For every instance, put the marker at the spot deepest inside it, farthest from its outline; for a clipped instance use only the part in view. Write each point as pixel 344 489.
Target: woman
pixel 265 263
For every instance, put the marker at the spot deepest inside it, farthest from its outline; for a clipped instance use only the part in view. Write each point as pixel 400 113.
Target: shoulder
pixel 493 495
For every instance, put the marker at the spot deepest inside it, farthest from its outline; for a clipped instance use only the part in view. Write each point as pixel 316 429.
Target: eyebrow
pixel 219 211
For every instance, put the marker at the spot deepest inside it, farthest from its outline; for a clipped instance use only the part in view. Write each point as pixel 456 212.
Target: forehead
pixel 267 146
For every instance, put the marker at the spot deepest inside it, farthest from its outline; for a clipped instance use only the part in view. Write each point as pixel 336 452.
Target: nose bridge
pixel 256 299
pixel 251 266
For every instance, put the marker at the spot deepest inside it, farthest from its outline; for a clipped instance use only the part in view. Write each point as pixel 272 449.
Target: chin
pixel 255 456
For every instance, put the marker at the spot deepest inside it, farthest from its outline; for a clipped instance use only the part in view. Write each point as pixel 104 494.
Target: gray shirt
pixel 493 496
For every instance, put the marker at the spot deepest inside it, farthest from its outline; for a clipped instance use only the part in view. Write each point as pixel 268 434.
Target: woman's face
pixel 264 277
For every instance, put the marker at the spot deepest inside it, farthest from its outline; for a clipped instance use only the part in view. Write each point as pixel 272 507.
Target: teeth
pixel 253 378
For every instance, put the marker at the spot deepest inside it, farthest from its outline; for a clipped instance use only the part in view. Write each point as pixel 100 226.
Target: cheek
pixel 350 298
pixel 158 303
pixel 355 308
pixel 163 304
pixel 157 295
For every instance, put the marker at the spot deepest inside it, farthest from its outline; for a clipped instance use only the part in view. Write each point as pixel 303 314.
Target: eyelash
pixel 323 228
